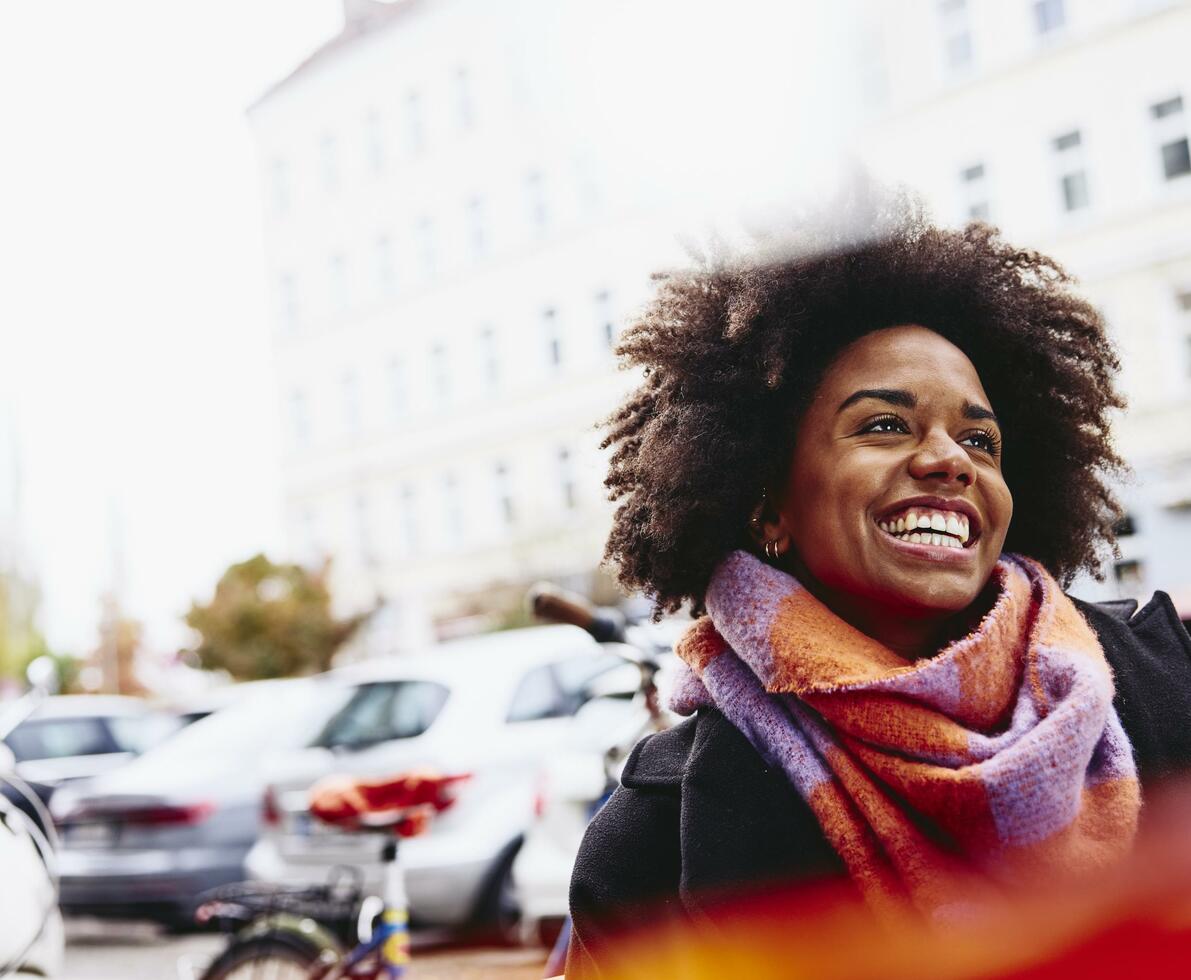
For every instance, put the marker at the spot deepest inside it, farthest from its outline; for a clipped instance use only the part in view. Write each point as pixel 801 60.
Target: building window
pixel 957 34
pixel 408 508
pixel 299 414
pixel 426 247
pixel 605 319
pixel 350 391
pixel 364 532
pixel 1170 129
pixel 311 544
pixel 287 302
pixel 1183 306
pixel 974 192
pixel 1049 16
pixel 1130 576
pixel 566 479
pixel 535 193
pixel 440 373
pixel 337 275
pixel 398 395
pixel 415 130
pixel 386 274
pixel 1073 175
pixel 552 337
pixel 453 508
pixel 489 360
pixel 475 227
pixel 1126 527
pixel 279 186
pixel 504 493
pixel 374 141
pixel 464 106
pixel 328 162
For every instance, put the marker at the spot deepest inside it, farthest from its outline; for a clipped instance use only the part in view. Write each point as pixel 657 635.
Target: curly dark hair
pixel 733 349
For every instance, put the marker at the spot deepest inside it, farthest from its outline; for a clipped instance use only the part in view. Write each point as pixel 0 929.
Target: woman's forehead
pixel 903 357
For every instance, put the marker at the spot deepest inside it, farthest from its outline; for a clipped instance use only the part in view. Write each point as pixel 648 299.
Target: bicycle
pixel 612 630
pixel 304 933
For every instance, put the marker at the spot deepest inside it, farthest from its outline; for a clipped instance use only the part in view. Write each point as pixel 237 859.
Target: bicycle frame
pixel 390 939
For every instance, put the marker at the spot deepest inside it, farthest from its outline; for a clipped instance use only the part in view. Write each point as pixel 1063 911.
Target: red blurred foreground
pixel 1135 921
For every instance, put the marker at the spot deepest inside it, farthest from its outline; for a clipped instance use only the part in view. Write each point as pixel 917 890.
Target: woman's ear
pixel 768 527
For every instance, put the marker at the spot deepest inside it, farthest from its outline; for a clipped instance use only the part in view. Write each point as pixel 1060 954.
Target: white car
pixel 75 736
pixel 494 707
pixel 575 781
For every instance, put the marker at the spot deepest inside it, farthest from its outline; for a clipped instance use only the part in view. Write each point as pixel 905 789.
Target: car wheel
pixel 499 915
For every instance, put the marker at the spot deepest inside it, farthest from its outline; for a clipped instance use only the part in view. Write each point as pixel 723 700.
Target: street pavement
pixel 118 950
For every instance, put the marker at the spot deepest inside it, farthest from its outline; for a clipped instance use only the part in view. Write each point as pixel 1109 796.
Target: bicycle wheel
pixel 268 957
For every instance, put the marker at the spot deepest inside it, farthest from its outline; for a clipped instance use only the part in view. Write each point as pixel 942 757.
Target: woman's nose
pixel 939 457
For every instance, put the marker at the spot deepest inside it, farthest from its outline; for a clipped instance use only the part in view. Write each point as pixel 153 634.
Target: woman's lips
pixel 930 552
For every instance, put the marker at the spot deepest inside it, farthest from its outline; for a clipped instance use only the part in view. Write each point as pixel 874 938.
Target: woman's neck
pixel 912 636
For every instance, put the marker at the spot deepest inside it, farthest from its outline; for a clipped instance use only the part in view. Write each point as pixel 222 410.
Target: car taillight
pixel 160 816
pixel 270 811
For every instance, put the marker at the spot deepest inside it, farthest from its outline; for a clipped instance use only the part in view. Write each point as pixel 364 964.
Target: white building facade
pixel 450 271
pixel 1066 124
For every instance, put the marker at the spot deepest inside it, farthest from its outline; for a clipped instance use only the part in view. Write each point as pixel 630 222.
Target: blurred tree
pixel 20 639
pixel 116 654
pixel 267 620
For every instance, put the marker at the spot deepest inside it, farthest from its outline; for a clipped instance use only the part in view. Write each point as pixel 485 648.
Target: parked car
pixel 33 941
pixel 76 736
pixel 146 839
pixel 575 780
pixel 494 707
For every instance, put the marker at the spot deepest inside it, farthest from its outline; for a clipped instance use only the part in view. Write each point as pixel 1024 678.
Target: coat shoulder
pixel 1150 655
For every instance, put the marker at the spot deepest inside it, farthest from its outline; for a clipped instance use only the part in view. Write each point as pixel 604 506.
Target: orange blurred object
pixel 412 798
pixel 1132 920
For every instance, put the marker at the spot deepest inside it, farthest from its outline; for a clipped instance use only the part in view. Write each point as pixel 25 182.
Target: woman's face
pixel 899 440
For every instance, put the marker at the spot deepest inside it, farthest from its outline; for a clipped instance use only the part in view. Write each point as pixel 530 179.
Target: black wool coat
pixel 699 812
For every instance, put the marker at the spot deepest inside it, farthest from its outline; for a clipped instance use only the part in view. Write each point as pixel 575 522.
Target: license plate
pixel 90 834
pixel 307 828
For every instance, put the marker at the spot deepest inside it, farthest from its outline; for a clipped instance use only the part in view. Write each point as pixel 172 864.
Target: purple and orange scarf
pixel 999 759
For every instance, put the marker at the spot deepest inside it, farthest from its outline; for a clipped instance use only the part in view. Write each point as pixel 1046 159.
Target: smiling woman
pixel 869 470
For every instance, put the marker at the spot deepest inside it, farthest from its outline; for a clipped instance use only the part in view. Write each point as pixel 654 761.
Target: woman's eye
pixel 986 441
pixel 887 424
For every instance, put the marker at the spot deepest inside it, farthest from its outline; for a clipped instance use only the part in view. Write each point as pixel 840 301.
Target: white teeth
pixel 946 529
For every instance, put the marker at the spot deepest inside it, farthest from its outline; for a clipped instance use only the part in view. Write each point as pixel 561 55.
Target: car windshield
pixel 59 738
pixel 280 715
pixel 380 712
pixel 139 733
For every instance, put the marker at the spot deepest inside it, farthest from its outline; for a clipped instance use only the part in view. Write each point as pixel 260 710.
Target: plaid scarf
pixel 994 762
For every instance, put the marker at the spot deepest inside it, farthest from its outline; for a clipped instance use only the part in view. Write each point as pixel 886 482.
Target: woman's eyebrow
pixel 979 412
pixel 894 396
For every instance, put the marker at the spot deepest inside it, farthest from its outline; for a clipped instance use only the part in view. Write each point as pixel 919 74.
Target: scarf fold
pixel 996 761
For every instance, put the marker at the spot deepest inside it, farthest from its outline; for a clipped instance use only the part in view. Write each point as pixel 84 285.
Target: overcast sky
pixel 133 313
